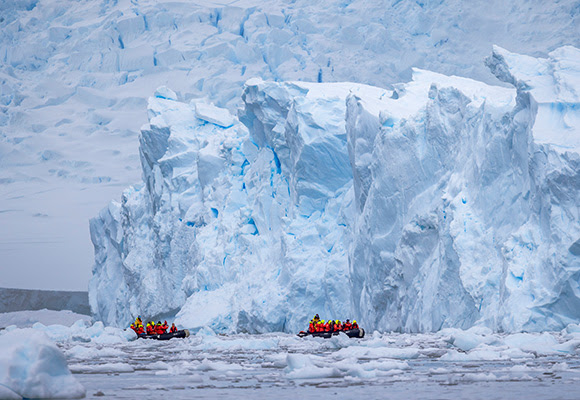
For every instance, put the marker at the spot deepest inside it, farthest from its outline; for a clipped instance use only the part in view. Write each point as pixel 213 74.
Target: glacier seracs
pixel 442 203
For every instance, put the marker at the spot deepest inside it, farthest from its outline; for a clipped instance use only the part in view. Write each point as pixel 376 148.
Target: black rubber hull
pixel 167 336
pixel 353 333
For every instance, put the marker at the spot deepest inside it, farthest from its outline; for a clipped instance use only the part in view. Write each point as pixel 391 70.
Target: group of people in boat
pixel 152 328
pixel 318 325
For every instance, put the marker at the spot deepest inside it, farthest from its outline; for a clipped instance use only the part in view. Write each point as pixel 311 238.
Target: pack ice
pixel 445 202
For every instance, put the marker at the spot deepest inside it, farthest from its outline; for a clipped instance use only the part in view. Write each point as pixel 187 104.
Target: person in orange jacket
pixel 173 328
pixel 311 326
pixel 347 325
pixel 354 325
pixel 337 326
pixel 159 328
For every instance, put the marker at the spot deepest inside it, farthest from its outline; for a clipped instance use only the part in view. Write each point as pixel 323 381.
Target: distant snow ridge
pixel 431 206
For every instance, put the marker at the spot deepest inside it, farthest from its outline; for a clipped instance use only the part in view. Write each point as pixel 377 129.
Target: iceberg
pixel 31 366
pixel 443 202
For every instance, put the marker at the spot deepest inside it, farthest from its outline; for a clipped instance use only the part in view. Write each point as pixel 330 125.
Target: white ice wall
pixel 75 78
pixel 425 207
pixel 470 206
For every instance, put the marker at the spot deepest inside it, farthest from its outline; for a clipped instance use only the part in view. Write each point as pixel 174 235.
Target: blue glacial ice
pixel 443 203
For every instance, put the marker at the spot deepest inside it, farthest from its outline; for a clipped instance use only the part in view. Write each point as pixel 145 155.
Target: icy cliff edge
pixel 445 202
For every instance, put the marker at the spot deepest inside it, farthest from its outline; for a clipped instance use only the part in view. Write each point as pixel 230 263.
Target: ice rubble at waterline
pixel 444 202
pixel 280 358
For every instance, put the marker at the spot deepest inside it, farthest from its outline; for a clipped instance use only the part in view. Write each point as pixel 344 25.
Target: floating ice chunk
pixel 86 353
pixel 33 367
pixel 214 115
pixel 207 365
pixel 468 340
pixel 544 343
pixel 300 366
pixel 164 92
pixel 380 352
pixel 474 355
pixel 102 368
pixel 479 377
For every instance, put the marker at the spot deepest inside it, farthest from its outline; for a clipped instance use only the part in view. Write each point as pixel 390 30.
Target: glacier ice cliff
pixel 445 202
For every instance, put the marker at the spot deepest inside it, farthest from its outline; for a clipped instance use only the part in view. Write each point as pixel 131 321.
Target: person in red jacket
pixel 337 326
pixel 311 327
pixel 354 325
pixel 331 326
pixel 173 328
pixel 347 325
pixel 140 330
pixel 159 328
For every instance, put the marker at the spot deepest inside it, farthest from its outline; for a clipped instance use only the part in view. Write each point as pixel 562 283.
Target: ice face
pixel 468 210
pixel 415 209
pixel 73 90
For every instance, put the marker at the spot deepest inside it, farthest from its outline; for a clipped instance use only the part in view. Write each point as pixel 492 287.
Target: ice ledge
pixel 554 86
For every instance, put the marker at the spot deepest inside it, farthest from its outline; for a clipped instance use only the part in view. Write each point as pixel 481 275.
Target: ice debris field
pixel 110 362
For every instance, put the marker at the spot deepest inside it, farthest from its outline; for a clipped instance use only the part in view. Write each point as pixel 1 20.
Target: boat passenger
pixel 337 326
pixel 347 325
pixel 330 326
pixel 173 328
pixel 354 325
pixel 150 328
pixel 311 326
pixel 138 328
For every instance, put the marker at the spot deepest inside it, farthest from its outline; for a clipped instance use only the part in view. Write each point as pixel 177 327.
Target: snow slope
pixel 420 208
pixel 75 76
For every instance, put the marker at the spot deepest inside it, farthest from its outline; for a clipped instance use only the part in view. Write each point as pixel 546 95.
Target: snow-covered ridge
pixel 21 299
pixel 426 207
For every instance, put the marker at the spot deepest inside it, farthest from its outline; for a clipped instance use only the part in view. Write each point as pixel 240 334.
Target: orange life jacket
pixel 355 326
pixel 173 329
pixel 347 326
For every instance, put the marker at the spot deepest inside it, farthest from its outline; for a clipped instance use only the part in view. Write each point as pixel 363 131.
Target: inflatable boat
pixel 353 333
pixel 166 336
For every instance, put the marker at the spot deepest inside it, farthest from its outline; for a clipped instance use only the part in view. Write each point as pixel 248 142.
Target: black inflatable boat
pixel 353 333
pixel 166 336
